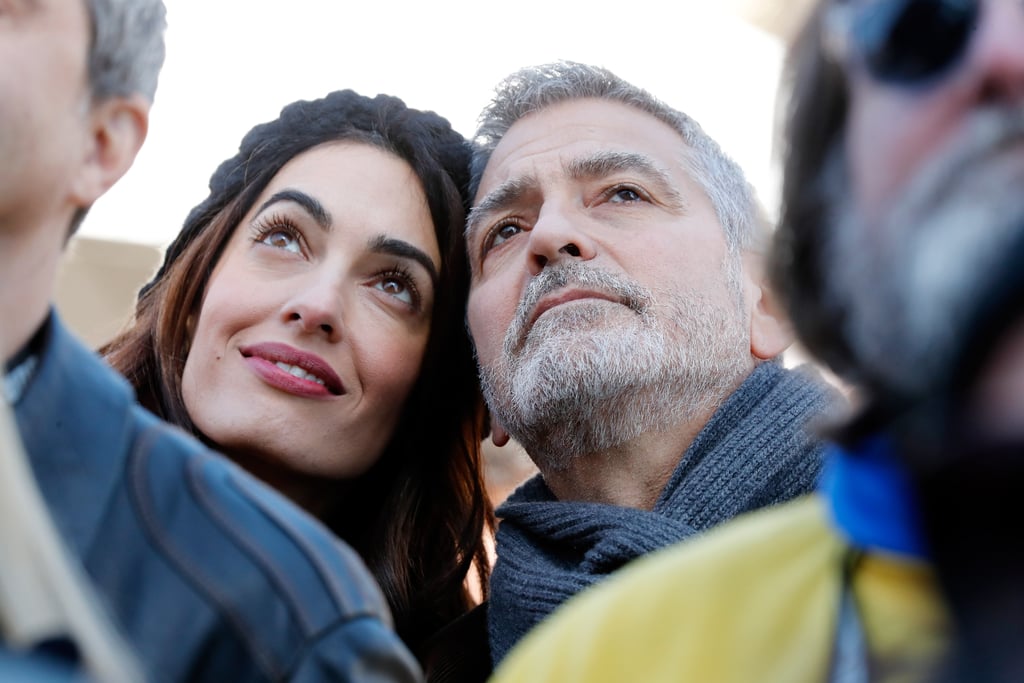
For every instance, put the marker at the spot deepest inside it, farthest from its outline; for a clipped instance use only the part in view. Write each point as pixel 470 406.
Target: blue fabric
pixel 871 498
pixel 211 575
pixel 21 666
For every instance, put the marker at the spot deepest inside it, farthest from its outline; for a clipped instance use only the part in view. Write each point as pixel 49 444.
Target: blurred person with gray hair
pixel 207 573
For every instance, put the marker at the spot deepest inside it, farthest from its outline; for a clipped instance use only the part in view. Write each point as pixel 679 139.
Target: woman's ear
pixel 770 329
pixel 117 128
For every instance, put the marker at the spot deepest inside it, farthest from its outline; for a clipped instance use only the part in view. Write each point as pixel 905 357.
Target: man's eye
pixel 282 239
pixel 624 195
pixel 502 233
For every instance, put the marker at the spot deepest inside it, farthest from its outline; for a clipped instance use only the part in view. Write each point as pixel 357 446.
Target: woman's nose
pixel 316 307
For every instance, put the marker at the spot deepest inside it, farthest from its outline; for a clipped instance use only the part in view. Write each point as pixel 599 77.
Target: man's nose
pixel 559 233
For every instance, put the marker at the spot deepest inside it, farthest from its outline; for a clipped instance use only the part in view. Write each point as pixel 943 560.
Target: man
pixel 899 256
pixel 624 335
pixel 211 576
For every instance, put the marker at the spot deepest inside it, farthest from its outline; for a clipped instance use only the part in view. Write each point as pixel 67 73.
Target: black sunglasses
pixel 902 42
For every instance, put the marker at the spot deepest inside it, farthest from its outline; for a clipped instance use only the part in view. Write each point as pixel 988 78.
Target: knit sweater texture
pixel 757 450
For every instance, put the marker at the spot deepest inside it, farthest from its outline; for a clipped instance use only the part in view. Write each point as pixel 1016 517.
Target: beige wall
pixel 781 18
pixel 98 282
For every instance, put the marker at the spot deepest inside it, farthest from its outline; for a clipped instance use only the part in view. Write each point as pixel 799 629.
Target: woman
pixel 307 322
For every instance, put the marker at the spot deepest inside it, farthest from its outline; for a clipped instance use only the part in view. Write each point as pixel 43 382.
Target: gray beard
pixel 590 376
pixel 910 280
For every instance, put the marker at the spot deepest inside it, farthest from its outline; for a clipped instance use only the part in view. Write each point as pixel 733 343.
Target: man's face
pixel 935 172
pixel 43 106
pixel 895 132
pixel 604 301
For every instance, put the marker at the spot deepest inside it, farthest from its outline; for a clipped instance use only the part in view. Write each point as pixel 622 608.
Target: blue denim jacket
pixel 211 575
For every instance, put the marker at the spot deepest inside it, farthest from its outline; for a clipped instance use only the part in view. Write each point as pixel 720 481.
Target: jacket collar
pixel 74 420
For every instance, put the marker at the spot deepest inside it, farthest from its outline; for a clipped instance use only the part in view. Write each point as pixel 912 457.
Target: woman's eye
pixel 398 288
pixel 624 195
pixel 282 239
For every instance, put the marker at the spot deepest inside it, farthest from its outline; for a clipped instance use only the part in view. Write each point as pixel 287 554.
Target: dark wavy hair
pixel 418 515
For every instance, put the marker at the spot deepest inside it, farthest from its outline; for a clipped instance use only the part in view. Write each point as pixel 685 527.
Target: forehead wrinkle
pixel 606 163
pixel 507 194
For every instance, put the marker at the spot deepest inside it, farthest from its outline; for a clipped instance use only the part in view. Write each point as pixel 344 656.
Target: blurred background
pixel 234 63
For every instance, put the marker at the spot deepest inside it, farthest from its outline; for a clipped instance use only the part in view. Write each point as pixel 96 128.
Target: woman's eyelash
pixel 270 223
pixel 402 273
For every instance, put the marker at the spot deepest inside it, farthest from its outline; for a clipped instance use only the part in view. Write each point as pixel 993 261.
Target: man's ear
pixel 499 437
pixel 117 129
pixel 770 330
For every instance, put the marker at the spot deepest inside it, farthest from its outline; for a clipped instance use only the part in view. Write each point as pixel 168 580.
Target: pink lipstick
pixel 292 370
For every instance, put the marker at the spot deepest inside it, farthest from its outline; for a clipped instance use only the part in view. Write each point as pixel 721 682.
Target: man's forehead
pixel 515 180
pixel 512 186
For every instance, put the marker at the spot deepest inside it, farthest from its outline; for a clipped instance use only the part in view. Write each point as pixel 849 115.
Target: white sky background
pixel 234 63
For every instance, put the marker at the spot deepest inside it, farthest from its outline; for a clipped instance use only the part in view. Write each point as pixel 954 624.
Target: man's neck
pixel 28 268
pixel 632 474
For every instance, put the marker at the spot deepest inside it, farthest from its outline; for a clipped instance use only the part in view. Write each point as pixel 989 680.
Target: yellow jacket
pixel 755 600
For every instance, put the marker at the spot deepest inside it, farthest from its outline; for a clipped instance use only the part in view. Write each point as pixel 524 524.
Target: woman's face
pixel 314 323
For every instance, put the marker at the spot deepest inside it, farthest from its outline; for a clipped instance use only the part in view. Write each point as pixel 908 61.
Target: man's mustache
pixel 934 250
pixel 571 274
pixel 987 135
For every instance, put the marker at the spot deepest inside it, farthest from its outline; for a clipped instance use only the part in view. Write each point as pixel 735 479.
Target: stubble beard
pixel 909 280
pixel 590 376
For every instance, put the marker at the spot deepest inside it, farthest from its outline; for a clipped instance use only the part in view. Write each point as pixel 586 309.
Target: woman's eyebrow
pixel 312 206
pixel 382 244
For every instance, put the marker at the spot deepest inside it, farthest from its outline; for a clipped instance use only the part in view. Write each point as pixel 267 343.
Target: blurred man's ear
pixel 117 129
pixel 770 330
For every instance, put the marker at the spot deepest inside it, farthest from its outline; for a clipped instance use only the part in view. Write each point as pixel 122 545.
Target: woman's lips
pixel 292 370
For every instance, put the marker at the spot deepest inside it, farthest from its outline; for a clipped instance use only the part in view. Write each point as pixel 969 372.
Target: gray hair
pixel 536 88
pixel 126 49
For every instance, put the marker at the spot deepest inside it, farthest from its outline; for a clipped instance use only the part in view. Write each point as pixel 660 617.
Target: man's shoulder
pixel 697 600
pixel 264 569
pixel 222 500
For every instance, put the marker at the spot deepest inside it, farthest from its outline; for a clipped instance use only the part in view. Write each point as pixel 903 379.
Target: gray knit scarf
pixel 753 452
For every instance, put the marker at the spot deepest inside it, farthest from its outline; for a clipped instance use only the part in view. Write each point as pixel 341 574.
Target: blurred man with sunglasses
pixel 899 255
